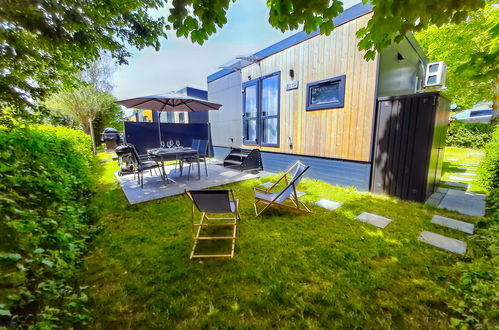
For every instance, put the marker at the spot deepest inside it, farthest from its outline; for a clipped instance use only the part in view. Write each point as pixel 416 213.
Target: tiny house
pixel 314 97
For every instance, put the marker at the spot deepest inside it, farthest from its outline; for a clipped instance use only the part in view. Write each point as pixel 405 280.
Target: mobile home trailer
pixel 314 97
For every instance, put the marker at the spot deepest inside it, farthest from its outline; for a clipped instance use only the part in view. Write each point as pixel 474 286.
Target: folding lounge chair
pixel 216 201
pixel 269 198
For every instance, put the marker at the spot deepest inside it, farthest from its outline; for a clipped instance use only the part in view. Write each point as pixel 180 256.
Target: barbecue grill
pixel 125 159
pixel 112 138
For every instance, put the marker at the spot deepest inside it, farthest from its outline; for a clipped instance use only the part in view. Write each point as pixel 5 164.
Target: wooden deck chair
pixel 214 201
pixel 269 198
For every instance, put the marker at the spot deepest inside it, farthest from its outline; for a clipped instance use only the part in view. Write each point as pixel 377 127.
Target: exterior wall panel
pixel 399 76
pixel 343 133
pixel 226 123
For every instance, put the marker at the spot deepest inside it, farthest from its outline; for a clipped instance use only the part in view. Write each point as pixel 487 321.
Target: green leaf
pixel 10 256
pixel 5 312
pixel 48 263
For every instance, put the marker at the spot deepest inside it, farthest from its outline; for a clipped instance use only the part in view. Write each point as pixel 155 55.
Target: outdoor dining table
pixel 166 154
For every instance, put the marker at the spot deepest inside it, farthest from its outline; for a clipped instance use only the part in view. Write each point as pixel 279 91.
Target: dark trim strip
pixel 311 156
pixel 348 15
pixel 374 126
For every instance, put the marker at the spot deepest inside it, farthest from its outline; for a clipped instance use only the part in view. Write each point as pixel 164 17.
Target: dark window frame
pixel 330 105
pixel 259 117
pixel 247 84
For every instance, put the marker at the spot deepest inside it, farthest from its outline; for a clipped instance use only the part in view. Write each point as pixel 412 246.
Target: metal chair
pixel 269 198
pixel 141 165
pixel 215 201
pixel 202 148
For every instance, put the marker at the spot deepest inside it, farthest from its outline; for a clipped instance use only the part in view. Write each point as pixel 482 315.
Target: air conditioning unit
pixel 435 74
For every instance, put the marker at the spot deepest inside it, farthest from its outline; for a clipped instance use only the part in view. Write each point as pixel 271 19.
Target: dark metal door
pixel 408 137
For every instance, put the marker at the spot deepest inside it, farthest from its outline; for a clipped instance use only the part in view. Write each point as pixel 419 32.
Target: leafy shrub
pixel 476 295
pixel 469 135
pixel 489 167
pixel 477 292
pixel 45 184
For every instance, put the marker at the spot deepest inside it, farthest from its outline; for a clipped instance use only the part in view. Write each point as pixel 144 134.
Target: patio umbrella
pixel 169 102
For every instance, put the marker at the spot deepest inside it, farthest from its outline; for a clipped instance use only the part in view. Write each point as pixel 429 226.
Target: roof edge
pixel 415 44
pixel 348 15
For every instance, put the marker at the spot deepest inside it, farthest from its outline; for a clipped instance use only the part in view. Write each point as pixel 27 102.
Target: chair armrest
pixel 262 190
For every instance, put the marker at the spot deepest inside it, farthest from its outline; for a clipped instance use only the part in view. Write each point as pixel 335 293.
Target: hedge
pixel 45 185
pixel 477 294
pixel 469 135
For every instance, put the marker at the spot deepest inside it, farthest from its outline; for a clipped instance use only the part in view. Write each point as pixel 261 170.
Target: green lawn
pixel 323 269
pixel 453 157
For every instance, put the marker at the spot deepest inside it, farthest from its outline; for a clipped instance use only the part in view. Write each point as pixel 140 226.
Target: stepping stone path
pixel 465 227
pixel 452 159
pixel 373 219
pixel 443 242
pixel 457 178
pixel 329 205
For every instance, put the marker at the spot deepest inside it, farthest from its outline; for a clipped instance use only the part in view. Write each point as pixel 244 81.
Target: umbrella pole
pixel 159 127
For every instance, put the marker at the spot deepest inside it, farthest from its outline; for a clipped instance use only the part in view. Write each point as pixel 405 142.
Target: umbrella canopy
pixel 169 102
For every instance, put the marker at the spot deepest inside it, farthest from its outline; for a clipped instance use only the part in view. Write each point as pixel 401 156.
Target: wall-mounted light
pixel 249 77
pixel 292 73
pixel 400 57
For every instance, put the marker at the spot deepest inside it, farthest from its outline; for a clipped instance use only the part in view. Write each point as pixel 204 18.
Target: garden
pixel 74 253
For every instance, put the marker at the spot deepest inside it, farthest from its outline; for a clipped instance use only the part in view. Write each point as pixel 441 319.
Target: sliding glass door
pixel 250 112
pixel 261 111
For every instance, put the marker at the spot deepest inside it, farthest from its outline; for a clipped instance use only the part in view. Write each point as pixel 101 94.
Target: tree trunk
pixel 91 126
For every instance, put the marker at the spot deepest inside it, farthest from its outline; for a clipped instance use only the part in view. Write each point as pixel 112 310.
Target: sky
pixel 181 63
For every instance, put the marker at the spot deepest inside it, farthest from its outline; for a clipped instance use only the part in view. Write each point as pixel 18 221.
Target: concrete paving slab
pixel 464 202
pixel 467 169
pixel 468 174
pixel 328 204
pixel 458 178
pixel 373 219
pixel 475 154
pixel 465 227
pixel 436 198
pixel 443 242
pixel 456 184
pixel 452 159
pixel 469 165
pixel 155 187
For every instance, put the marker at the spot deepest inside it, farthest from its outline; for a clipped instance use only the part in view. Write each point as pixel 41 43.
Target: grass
pixel 322 270
pixel 453 157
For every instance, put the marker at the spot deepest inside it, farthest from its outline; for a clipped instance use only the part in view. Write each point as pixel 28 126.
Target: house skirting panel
pixel 333 171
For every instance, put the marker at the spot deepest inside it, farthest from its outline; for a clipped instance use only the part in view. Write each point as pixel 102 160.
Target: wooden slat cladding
pixel 343 133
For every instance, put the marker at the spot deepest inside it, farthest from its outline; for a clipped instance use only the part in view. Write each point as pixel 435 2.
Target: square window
pixel 326 94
